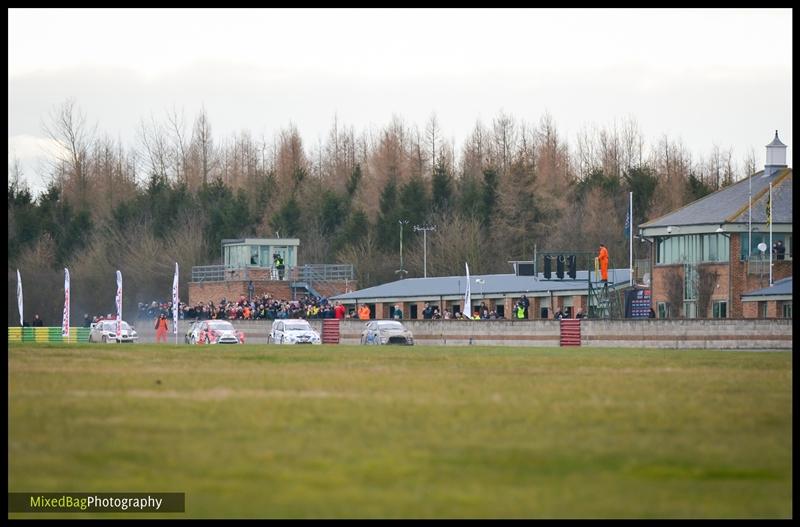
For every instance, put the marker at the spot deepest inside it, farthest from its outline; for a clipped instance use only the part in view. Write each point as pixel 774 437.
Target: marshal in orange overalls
pixel 603 258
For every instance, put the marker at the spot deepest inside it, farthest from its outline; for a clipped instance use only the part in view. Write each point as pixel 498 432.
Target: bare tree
pixel 203 145
pixel 153 138
pixel 705 278
pixel 180 143
pixel 67 126
pixel 673 287
pixel 432 134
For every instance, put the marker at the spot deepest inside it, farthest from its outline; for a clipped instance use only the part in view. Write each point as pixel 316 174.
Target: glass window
pixel 690 310
pixel 720 309
pixel 762 310
pixel 662 309
pixel 759 237
pixel 787 310
pixel 254 255
pixel 689 286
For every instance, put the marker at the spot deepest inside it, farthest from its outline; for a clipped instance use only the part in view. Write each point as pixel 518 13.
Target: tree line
pixel 175 193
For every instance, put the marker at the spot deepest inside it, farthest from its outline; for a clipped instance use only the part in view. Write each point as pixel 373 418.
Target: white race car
pixel 293 331
pixel 106 331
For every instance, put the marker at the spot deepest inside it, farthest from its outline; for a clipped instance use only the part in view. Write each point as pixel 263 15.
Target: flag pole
pixel 630 237
pixel 770 233
pixel 750 218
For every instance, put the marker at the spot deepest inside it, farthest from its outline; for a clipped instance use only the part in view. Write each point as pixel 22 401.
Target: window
pixel 762 310
pixel 759 237
pixel 787 310
pixel 662 309
pixel 689 285
pixel 720 309
pixel 253 255
pixel 690 310
pixel 692 248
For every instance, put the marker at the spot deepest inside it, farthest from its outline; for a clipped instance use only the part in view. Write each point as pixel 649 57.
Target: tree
pixel 388 216
pixel 642 181
pixel 488 196
pixel 705 278
pixel 673 287
pixel 441 187
pixel 68 128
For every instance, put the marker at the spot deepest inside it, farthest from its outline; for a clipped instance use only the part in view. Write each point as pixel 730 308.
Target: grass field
pixel 341 431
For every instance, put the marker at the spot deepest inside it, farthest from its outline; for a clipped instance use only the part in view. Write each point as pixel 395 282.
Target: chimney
pixel 776 156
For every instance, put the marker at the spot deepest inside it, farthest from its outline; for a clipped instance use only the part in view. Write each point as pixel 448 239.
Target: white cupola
pixel 776 156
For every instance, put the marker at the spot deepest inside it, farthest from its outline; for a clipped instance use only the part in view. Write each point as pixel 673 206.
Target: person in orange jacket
pixel 161 328
pixel 603 258
pixel 363 312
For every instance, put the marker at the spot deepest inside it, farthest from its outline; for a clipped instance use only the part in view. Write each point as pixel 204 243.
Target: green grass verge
pixel 417 432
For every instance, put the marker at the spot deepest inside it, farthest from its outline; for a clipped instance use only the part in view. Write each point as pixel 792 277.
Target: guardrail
pixel 324 272
pixel 303 273
pixel 208 273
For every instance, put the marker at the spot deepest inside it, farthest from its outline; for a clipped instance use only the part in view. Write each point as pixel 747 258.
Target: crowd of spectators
pixel 264 307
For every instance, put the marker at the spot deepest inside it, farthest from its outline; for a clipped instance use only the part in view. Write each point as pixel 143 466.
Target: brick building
pixel 709 256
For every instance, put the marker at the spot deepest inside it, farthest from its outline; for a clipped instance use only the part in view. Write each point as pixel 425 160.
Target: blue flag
pixel 627 225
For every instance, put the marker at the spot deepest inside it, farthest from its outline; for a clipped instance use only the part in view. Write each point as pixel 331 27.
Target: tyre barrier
pixel 48 334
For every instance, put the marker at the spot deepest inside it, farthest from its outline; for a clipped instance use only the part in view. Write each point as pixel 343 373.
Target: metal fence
pixel 304 273
pixel 208 273
pixel 324 272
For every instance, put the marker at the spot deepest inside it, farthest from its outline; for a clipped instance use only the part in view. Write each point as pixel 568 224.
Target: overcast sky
pixel 705 77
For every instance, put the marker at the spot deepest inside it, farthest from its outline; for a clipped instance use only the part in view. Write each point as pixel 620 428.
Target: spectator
pixel 780 250
pixel 427 313
pixel 37 322
pixel 87 322
pixel 363 312
pixel 398 313
pixel 525 304
pixel 278 262
pixel 339 311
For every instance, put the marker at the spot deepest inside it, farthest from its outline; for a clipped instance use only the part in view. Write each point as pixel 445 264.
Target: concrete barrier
pixel 641 333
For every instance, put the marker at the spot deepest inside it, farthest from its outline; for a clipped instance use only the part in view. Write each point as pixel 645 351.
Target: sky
pixel 705 77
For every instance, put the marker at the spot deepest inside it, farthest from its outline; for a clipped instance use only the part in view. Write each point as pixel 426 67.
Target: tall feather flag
pixel 175 302
pixel 65 318
pixel 19 297
pixel 467 309
pixel 119 304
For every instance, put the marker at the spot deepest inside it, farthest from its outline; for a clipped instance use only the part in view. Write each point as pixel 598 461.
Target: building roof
pixel 494 284
pixel 780 288
pixel 730 204
pixel 776 141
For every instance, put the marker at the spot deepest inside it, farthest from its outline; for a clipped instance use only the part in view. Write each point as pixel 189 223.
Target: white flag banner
pixel 467 309
pixel 119 304
pixel 175 301
pixel 19 297
pixel 65 319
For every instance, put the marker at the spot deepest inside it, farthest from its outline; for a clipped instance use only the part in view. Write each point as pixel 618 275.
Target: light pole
pixel 425 229
pixel 401 271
